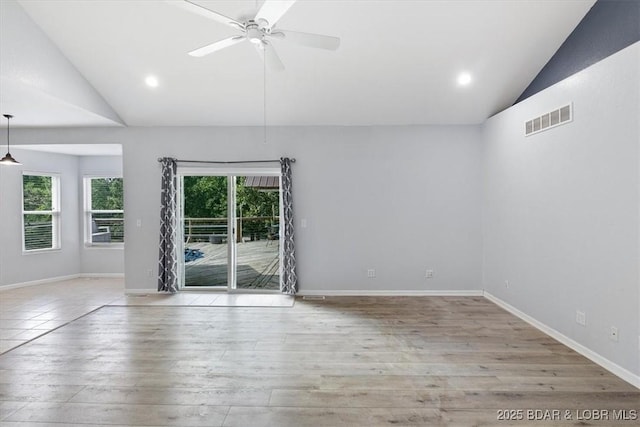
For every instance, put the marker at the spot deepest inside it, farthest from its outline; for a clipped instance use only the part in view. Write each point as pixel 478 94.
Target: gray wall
pixel 73 258
pixel 397 199
pixel 14 266
pixel 560 212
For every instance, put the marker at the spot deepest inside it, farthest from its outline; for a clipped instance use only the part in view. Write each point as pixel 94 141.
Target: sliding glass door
pixel 230 230
pixel 258 220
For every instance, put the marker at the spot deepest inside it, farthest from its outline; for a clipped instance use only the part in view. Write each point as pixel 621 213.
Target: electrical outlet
pixel 613 334
pixel 149 272
pixel 429 274
pixel 581 318
pixel 371 273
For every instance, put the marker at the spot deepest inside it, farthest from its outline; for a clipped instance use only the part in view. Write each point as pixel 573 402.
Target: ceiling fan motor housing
pixel 255 32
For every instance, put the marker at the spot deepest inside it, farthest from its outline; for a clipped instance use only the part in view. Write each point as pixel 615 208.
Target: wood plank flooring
pixel 344 361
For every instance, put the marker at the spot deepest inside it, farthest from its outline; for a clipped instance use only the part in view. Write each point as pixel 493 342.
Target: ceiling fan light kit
pixel 259 31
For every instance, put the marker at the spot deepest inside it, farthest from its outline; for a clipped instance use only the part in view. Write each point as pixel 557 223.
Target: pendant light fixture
pixel 8 158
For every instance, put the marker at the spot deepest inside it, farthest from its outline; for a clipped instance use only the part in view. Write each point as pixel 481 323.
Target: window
pixel 104 203
pixel 40 211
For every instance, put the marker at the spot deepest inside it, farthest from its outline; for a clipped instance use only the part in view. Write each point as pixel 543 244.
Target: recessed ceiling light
pixel 464 79
pixel 151 81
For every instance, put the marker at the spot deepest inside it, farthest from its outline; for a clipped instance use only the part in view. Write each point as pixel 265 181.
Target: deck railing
pixel 251 228
pixel 111 223
pixel 38 235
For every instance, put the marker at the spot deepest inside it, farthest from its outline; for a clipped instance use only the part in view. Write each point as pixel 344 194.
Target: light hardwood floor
pixel 344 361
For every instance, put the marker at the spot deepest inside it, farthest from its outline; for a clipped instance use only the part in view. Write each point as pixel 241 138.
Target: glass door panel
pixel 257 248
pixel 205 230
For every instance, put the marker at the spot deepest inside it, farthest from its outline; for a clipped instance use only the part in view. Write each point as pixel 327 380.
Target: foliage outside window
pixel 40 212
pixel 259 210
pixel 104 208
pixel 205 202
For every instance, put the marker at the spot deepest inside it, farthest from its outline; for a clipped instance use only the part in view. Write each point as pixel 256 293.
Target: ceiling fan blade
pixel 307 39
pixel 269 56
pixel 221 44
pixel 203 11
pixel 272 10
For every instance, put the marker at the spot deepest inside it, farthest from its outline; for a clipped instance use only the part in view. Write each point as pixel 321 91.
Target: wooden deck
pixel 258 266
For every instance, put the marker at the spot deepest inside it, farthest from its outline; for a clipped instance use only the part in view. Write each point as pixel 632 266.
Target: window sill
pixel 40 251
pixel 110 246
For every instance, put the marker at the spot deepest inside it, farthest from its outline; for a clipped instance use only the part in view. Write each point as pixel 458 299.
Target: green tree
pixel 205 196
pixel 37 196
pixel 37 192
pixel 254 202
pixel 107 194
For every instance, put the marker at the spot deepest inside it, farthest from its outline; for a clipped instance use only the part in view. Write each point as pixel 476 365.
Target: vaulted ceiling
pixel 397 63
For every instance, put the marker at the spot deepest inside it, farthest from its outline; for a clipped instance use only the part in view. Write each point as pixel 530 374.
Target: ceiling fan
pixel 259 31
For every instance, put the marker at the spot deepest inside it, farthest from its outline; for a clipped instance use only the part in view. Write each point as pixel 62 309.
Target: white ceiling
pixel 397 63
pixel 34 107
pixel 75 149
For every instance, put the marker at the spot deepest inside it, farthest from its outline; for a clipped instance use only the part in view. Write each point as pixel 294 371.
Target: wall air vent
pixel 549 120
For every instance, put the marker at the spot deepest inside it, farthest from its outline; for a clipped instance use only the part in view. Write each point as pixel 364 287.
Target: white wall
pixel 99 259
pixel 73 258
pixel 52 76
pixel 397 199
pixel 14 266
pixel 561 208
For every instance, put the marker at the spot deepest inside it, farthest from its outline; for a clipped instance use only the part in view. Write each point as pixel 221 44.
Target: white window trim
pixel 86 195
pixel 56 244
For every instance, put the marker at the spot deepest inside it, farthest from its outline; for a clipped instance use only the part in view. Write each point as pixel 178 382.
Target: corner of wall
pixel 561 210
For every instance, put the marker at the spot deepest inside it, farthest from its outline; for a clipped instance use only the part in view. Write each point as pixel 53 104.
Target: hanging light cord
pixel 264 85
pixel 8 158
pixel 8 116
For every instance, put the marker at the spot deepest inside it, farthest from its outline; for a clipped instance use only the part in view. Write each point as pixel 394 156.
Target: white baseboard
pixel 103 275
pixel 610 366
pixel 390 293
pixel 39 282
pixel 150 291
pixel 60 279
pixel 340 292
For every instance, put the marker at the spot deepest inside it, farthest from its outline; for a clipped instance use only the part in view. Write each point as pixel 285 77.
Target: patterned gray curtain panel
pixel 168 263
pixel 289 277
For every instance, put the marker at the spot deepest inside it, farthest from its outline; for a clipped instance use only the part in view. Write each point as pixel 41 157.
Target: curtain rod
pixel 227 163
